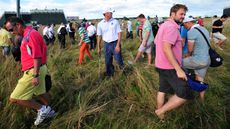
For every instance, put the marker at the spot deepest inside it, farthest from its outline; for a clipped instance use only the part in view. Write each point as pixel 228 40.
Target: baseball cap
pixel 197 85
pixel 188 19
pixel 108 10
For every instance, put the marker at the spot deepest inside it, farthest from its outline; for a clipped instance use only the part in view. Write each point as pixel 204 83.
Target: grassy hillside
pixel 85 99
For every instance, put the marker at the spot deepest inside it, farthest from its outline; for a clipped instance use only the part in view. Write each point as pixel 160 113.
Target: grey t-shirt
pixel 200 51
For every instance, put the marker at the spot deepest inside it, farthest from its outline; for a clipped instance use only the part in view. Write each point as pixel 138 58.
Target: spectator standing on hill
pixel 168 61
pixel 200 21
pixel 137 28
pixel 52 34
pixel 71 30
pixel 217 29
pixel 91 30
pixel 33 61
pixel 62 32
pixel 129 30
pixel 109 31
pixel 46 34
pixel 198 50
pixel 5 41
pixel 84 43
pixel 147 39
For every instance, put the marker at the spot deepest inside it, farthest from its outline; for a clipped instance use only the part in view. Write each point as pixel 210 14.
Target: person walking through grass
pixel 217 29
pixel 91 30
pixel 5 41
pixel 84 43
pixel 168 61
pixel 33 61
pixel 198 50
pixel 109 31
pixel 146 41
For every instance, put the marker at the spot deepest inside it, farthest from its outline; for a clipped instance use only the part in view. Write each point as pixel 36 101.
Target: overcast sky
pixel 91 9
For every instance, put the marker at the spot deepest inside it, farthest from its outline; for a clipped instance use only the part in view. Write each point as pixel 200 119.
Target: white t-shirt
pixel 51 31
pixel 129 26
pixel 91 30
pixel 46 31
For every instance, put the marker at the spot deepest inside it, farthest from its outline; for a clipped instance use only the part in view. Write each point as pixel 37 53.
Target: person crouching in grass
pixel 84 43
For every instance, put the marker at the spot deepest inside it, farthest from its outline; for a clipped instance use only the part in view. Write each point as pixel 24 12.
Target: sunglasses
pixel 11 30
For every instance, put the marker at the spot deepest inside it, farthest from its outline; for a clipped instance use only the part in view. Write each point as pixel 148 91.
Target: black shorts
pixel 170 83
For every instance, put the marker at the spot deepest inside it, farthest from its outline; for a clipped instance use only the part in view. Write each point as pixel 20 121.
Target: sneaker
pixel 52 113
pixel 42 114
pixel 130 62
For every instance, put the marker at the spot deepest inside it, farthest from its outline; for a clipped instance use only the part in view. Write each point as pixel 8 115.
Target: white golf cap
pixel 108 10
pixel 188 19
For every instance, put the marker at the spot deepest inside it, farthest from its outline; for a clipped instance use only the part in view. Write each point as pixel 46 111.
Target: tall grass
pixel 84 98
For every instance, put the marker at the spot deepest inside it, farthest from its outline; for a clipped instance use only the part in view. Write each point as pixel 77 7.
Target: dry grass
pixel 126 101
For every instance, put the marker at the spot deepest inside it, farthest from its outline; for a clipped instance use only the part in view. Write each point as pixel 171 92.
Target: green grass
pixel 126 101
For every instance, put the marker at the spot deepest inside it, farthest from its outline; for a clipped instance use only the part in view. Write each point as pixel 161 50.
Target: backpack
pixel 63 31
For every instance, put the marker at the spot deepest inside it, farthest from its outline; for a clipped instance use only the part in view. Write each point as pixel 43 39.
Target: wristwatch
pixel 35 75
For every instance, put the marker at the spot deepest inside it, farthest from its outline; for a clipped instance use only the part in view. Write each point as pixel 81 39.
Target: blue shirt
pixel 183 33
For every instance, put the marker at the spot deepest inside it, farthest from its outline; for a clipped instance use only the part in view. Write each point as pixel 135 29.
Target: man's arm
pixel 145 39
pixel 99 37
pixel 217 26
pixel 37 64
pixel 118 47
pixel 169 54
pixel 190 47
pixel 81 40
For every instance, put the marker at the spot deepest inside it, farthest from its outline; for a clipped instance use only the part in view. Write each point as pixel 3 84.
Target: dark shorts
pixel 170 83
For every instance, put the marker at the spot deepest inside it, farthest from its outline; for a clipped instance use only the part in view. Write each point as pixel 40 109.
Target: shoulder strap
pixel 28 35
pixel 203 36
pixel 26 38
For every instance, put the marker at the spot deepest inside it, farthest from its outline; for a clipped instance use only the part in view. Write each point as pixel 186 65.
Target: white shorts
pixel 147 49
pixel 218 37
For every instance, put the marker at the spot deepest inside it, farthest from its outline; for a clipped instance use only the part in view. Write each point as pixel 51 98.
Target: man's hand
pixel 79 44
pixel 181 74
pixel 99 51
pixel 117 49
pixel 35 81
pixel 144 43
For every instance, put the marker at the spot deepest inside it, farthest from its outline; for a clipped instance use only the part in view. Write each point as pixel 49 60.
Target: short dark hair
pixel 176 7
pixel 141 16
pixel 13 20
pixel 224 16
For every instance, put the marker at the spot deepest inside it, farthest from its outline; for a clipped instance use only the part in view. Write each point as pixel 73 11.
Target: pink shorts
pixel 146 49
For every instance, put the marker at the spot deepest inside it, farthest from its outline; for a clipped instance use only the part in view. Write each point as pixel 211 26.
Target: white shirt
pixel 91 30
pixel 51 31
pixel 108 30
pixel 129 26
pixel 46 31
pixel 68 28
pixel 58 30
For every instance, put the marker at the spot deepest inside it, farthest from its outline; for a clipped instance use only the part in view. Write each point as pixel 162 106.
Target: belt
pixel 33 67
pixel 111 42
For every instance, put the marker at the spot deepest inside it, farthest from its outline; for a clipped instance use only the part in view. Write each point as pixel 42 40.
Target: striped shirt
pixel 81 31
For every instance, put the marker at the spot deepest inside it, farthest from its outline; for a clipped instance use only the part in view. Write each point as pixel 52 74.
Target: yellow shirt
pixel 5 37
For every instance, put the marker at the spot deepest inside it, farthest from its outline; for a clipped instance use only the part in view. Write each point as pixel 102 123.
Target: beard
pixel 178 21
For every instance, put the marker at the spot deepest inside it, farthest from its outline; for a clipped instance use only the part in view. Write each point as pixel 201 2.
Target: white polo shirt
pixel 91 30
pixel 108 29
